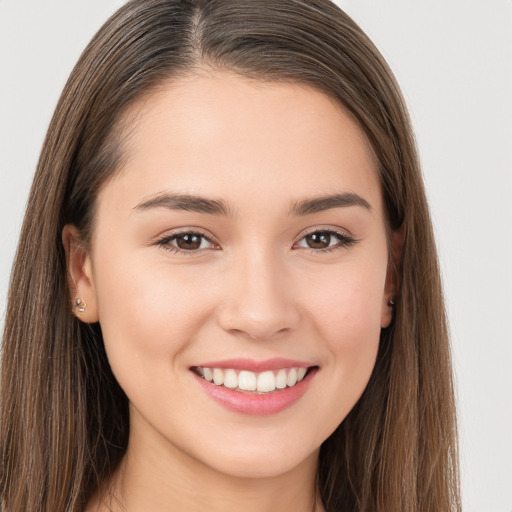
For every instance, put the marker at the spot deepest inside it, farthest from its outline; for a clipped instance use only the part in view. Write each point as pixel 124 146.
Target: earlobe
pixel 392 278
pixel 79 276
pixel 386 315
pixel 388 310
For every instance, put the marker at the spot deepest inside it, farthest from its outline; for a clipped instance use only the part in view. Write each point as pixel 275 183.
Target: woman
pixel 235 298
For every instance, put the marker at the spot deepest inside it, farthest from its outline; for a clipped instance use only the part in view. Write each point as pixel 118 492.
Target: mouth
pixel 255 388
pixel 246 381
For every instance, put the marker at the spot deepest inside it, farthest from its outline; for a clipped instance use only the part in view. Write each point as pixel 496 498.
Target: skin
pixel 255 291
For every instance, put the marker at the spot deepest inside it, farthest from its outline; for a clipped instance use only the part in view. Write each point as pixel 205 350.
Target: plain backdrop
pixel 453 59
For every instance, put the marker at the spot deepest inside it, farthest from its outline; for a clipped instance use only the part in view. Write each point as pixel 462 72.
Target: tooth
pixel 218 376
pixel 291 380
pixel 266 382
pixel 230 379
pixel 281 379
pixel 247 381
pixel 207 374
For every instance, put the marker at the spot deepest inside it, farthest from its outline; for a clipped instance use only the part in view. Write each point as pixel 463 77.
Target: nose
pixel 258 299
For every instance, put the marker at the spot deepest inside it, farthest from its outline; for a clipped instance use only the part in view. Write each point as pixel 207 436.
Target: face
pixel 243 241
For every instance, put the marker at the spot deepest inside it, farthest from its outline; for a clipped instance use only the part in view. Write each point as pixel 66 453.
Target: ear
pixel 392 278
pixel 79 275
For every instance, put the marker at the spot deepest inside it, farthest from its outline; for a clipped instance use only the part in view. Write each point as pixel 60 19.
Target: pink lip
pixel 252 403
pixel 256 366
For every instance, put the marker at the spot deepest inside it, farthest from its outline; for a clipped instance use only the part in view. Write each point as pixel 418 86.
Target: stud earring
pixel 391 302
pixel 80 305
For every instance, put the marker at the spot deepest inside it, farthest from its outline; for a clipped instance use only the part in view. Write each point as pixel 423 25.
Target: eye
pixel 188 241
pixel 325 240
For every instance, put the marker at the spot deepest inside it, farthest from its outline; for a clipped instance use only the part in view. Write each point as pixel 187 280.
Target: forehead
pixel 222 135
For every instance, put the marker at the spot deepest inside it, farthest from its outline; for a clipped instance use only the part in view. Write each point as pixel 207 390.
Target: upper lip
pixel 251 365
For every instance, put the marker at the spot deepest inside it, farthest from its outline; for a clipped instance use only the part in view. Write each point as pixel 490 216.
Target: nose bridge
pixel 259 302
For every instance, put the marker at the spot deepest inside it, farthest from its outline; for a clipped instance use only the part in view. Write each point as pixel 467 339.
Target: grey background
pixel 453 59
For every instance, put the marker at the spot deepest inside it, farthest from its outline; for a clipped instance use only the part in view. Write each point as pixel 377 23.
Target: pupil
pixel 318 240
pixel 189 242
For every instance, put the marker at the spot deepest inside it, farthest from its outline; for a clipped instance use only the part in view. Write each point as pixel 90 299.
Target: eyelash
pixel 165 242
pixel 344 240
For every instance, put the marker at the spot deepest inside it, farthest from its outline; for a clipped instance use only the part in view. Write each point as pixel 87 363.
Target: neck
pixel 163 479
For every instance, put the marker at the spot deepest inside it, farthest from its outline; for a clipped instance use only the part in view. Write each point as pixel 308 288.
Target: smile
pixel 248 381
pixel 255 388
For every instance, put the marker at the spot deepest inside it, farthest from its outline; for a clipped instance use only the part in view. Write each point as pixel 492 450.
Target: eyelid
pixel 329 229
pixel 345 239
pixel 165 239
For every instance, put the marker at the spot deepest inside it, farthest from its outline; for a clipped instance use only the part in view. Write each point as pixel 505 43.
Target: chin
pixel 264 465
pixel 260 456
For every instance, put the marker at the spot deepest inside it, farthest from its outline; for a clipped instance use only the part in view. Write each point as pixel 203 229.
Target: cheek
pixel 147 316
pixel 353 338
pixel 347 307
pixel 347 315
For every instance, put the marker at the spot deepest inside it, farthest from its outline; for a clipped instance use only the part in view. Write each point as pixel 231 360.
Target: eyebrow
pixel 185 202
pixel 191 203
pixel 321 204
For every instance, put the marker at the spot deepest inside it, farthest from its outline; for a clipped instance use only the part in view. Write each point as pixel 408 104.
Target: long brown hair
pixel 64 419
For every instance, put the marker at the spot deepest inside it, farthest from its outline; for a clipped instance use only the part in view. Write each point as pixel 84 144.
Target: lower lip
pixel 257 404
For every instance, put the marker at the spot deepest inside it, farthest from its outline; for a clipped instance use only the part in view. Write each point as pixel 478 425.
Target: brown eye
pixel 188 241
pixel 318 240
pixel 325 240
